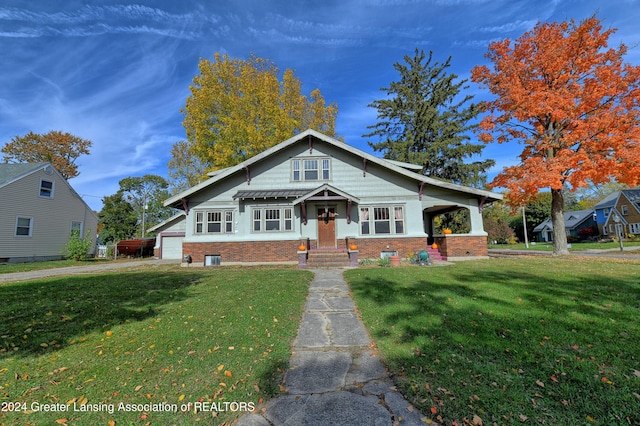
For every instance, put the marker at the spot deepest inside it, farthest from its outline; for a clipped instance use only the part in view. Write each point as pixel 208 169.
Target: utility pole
pixel 524 223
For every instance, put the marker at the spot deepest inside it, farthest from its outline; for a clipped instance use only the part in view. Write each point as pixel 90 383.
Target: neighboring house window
pixel 76 226
pixel 624 209
pixel 604 230
pixel 214 222
pixel 606 212
pixel 273 219
pixel 381 220
pixel 24 226
pixel 312 169
pixel 634 228
pixel 46 188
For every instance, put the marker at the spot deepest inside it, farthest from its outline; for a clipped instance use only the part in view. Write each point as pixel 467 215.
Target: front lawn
pixel 551 341
pixel 146 346
pixel 575 247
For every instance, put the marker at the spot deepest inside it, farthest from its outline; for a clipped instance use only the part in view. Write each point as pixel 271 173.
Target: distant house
pixel 318 192
pixel 623 205
pixel 38 212
pixel 574 222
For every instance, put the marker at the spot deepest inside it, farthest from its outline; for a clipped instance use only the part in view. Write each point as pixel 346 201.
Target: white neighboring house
pixel 38 212
pixel 316 191
pixel 169 236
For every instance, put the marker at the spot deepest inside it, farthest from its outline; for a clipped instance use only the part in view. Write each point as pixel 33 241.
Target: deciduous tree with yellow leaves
pixel 574 105
pixel 239 108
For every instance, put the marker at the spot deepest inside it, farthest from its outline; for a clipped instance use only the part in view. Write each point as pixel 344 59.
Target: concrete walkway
pixel 334 377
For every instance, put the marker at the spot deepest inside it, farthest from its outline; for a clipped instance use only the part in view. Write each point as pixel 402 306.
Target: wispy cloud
pixel 519 26
pixel 98 20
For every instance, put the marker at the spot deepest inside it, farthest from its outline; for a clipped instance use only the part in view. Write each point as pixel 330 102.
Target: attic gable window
pixel 46 188
pixel 624 210
pixel 310 169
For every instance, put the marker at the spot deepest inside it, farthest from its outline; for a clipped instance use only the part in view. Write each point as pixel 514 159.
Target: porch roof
pixel 326 192
pixel 273 193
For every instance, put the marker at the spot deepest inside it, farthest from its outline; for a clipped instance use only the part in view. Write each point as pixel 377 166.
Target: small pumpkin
pixel 353 247
pixel 434 246
pixel 302 247
pixel 447 231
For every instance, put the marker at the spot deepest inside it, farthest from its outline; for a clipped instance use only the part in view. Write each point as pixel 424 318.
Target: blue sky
pixel 118 73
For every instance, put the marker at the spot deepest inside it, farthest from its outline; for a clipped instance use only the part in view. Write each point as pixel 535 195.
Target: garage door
pixel 172 247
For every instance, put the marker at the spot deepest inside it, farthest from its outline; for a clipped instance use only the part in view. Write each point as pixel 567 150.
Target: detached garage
pixel 169 236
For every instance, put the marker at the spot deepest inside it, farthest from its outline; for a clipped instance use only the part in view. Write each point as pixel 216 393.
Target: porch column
pixel 475 217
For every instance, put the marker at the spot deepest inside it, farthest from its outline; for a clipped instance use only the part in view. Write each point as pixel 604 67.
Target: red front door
pixel 326 227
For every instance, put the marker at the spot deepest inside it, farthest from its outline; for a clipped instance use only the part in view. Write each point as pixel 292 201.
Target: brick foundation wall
pixel 462 245
pixel 244 251
pixel 370 248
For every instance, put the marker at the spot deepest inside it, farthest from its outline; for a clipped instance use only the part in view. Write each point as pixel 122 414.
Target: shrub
pixel 78 247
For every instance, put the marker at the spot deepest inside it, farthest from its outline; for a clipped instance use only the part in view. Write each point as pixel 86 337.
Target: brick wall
pixel 244 251
pixel 462 245
pixel 370 248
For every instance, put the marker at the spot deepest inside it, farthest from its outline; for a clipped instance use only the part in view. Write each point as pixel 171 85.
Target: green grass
pixel 553 341
pixel 163 336
pixel 574 246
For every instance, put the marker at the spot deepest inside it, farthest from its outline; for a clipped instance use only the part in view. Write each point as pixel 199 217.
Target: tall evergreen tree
pixel 425 121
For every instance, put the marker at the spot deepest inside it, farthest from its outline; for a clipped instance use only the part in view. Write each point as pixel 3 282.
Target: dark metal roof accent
pixel 275 193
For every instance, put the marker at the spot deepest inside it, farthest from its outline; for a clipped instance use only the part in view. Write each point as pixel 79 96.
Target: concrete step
pixel 327 258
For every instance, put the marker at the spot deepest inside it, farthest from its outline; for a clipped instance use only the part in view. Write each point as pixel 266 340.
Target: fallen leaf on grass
pixel 539 383
pixel 477 421
pixel 554 378
pixel 523 418
pixel 137 388
pixel 62 421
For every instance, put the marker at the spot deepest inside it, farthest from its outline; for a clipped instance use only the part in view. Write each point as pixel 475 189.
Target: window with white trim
pixel 379 220
pixel 310 169
pixel 634 228
pixel 624 210
pixel 76 227
pixel 24 226
pixel 214 222
pixel 46 188
pixel 272 219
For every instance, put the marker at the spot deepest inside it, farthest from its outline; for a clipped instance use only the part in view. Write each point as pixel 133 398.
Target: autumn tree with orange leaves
pixel 58 148
pixel 574 105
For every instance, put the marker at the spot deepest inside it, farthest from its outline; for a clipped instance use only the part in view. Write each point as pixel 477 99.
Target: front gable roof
pixel 572 219
pixel 312 136
pixel 10 173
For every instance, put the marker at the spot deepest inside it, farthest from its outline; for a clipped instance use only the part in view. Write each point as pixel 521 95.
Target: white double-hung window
pixel 272 219
pixel 214 222
pixel 379 220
